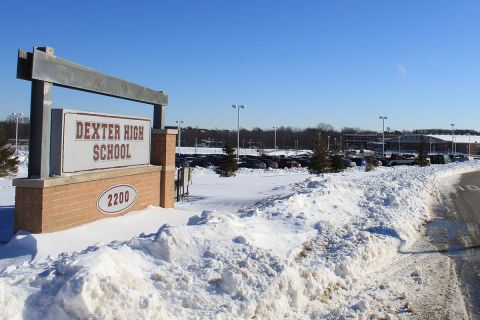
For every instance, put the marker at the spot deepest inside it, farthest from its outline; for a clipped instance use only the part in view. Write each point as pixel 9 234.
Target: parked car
pixel 201 162
pixel 349 162
pixel 359 161
pixel 270 163
pixel 252 164
pixel 181 162
pixel 304 160
pixel 458 158
pixel 439 159
pixel 403 162
pixel 214 159
pixel 373 161
pixel 384 161
pixel 288 163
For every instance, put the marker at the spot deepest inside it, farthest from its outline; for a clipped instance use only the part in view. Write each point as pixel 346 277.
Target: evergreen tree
pixel 337 160
pixel 319 162
pixel 8 160
pixel 228 165
pixel 422 152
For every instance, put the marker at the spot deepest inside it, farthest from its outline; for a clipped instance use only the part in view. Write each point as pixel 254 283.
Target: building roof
pixel 457 138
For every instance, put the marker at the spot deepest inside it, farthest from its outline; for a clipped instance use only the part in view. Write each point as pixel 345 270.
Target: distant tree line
pixel 287 137
pixel 8 127
pixel 258 138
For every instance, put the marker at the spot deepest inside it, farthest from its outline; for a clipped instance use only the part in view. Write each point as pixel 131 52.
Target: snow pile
pixel 292 256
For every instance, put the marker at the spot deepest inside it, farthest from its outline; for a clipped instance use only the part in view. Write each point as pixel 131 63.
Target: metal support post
pixel 40 118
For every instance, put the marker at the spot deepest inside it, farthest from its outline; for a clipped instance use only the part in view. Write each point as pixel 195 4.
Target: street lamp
pixel 453 126
pixel 16 115
pixel 180 122
pixel 238 107
pixel 275 140
pixel 469 135
pixel 383 118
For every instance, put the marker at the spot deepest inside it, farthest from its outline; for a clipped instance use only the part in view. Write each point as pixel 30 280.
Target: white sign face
pixel 116 199
pixel 98 141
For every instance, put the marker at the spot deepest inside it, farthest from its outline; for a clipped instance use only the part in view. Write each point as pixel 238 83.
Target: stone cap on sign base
pixel 165 131
pixel 83 177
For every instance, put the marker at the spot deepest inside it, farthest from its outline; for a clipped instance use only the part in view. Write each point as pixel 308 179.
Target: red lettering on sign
pixel 96 152
pixel 117 152
pixel 95 127
pixel 86 135
pixel 126 132
pixel 129 156
pixel 104 127
pixel 140 133
pixel 110 131
pixel 122 151
pixel 109 151
pixel 79 130
pixel 117 132
pixel 135 133
pixel 102 152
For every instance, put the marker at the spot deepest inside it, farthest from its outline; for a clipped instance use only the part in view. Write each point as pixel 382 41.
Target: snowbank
pixel 284 256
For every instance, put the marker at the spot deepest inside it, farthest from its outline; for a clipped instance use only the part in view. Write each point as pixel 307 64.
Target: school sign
pixel 90 141
pixel 86 165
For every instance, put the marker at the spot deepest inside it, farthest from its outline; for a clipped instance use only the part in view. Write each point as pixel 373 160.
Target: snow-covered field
pixel 265 244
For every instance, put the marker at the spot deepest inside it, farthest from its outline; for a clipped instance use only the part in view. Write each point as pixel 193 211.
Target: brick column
pixel 163 154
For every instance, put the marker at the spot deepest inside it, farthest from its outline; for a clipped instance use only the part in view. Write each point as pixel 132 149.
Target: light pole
pixel 453 126
pixel 180 122
pixel 469 135
pixel 383 118
pixel 275 138
pixel 328 144
pixel 238 107
pixel 16 115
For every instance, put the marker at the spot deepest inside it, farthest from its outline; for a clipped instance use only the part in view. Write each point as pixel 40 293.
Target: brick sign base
pixel 58 203
pixel 46 205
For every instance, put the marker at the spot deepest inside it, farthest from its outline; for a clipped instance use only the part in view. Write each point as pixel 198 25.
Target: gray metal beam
pixel 24 65
pixel 40 126
pixel 158 116
pixel 64 73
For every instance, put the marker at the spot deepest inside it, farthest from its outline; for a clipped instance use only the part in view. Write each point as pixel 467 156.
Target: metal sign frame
pixel 45 70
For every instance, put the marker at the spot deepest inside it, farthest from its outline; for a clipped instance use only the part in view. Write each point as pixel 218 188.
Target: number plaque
pixel 116 199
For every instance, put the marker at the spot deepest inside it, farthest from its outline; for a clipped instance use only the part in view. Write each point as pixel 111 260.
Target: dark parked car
pixel 181 162
pixel 384 161
pixel 270 163
pixel 458 158
pixel 349 162
pixel 359 161
pixel 439 159
pixel 252 164
pixel 288 163
pixel 201 162
pixel 214 159
pixel 374 161
pixel 304 161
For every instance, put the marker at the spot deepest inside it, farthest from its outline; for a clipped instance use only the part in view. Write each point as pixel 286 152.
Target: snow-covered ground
pixel 263 244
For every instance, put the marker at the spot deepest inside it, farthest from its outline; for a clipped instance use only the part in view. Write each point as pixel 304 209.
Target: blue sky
pixel 293 63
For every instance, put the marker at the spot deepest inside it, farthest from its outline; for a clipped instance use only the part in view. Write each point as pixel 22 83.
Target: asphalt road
pixel 460 211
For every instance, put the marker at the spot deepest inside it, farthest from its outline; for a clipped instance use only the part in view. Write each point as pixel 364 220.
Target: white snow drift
pixel 291 254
